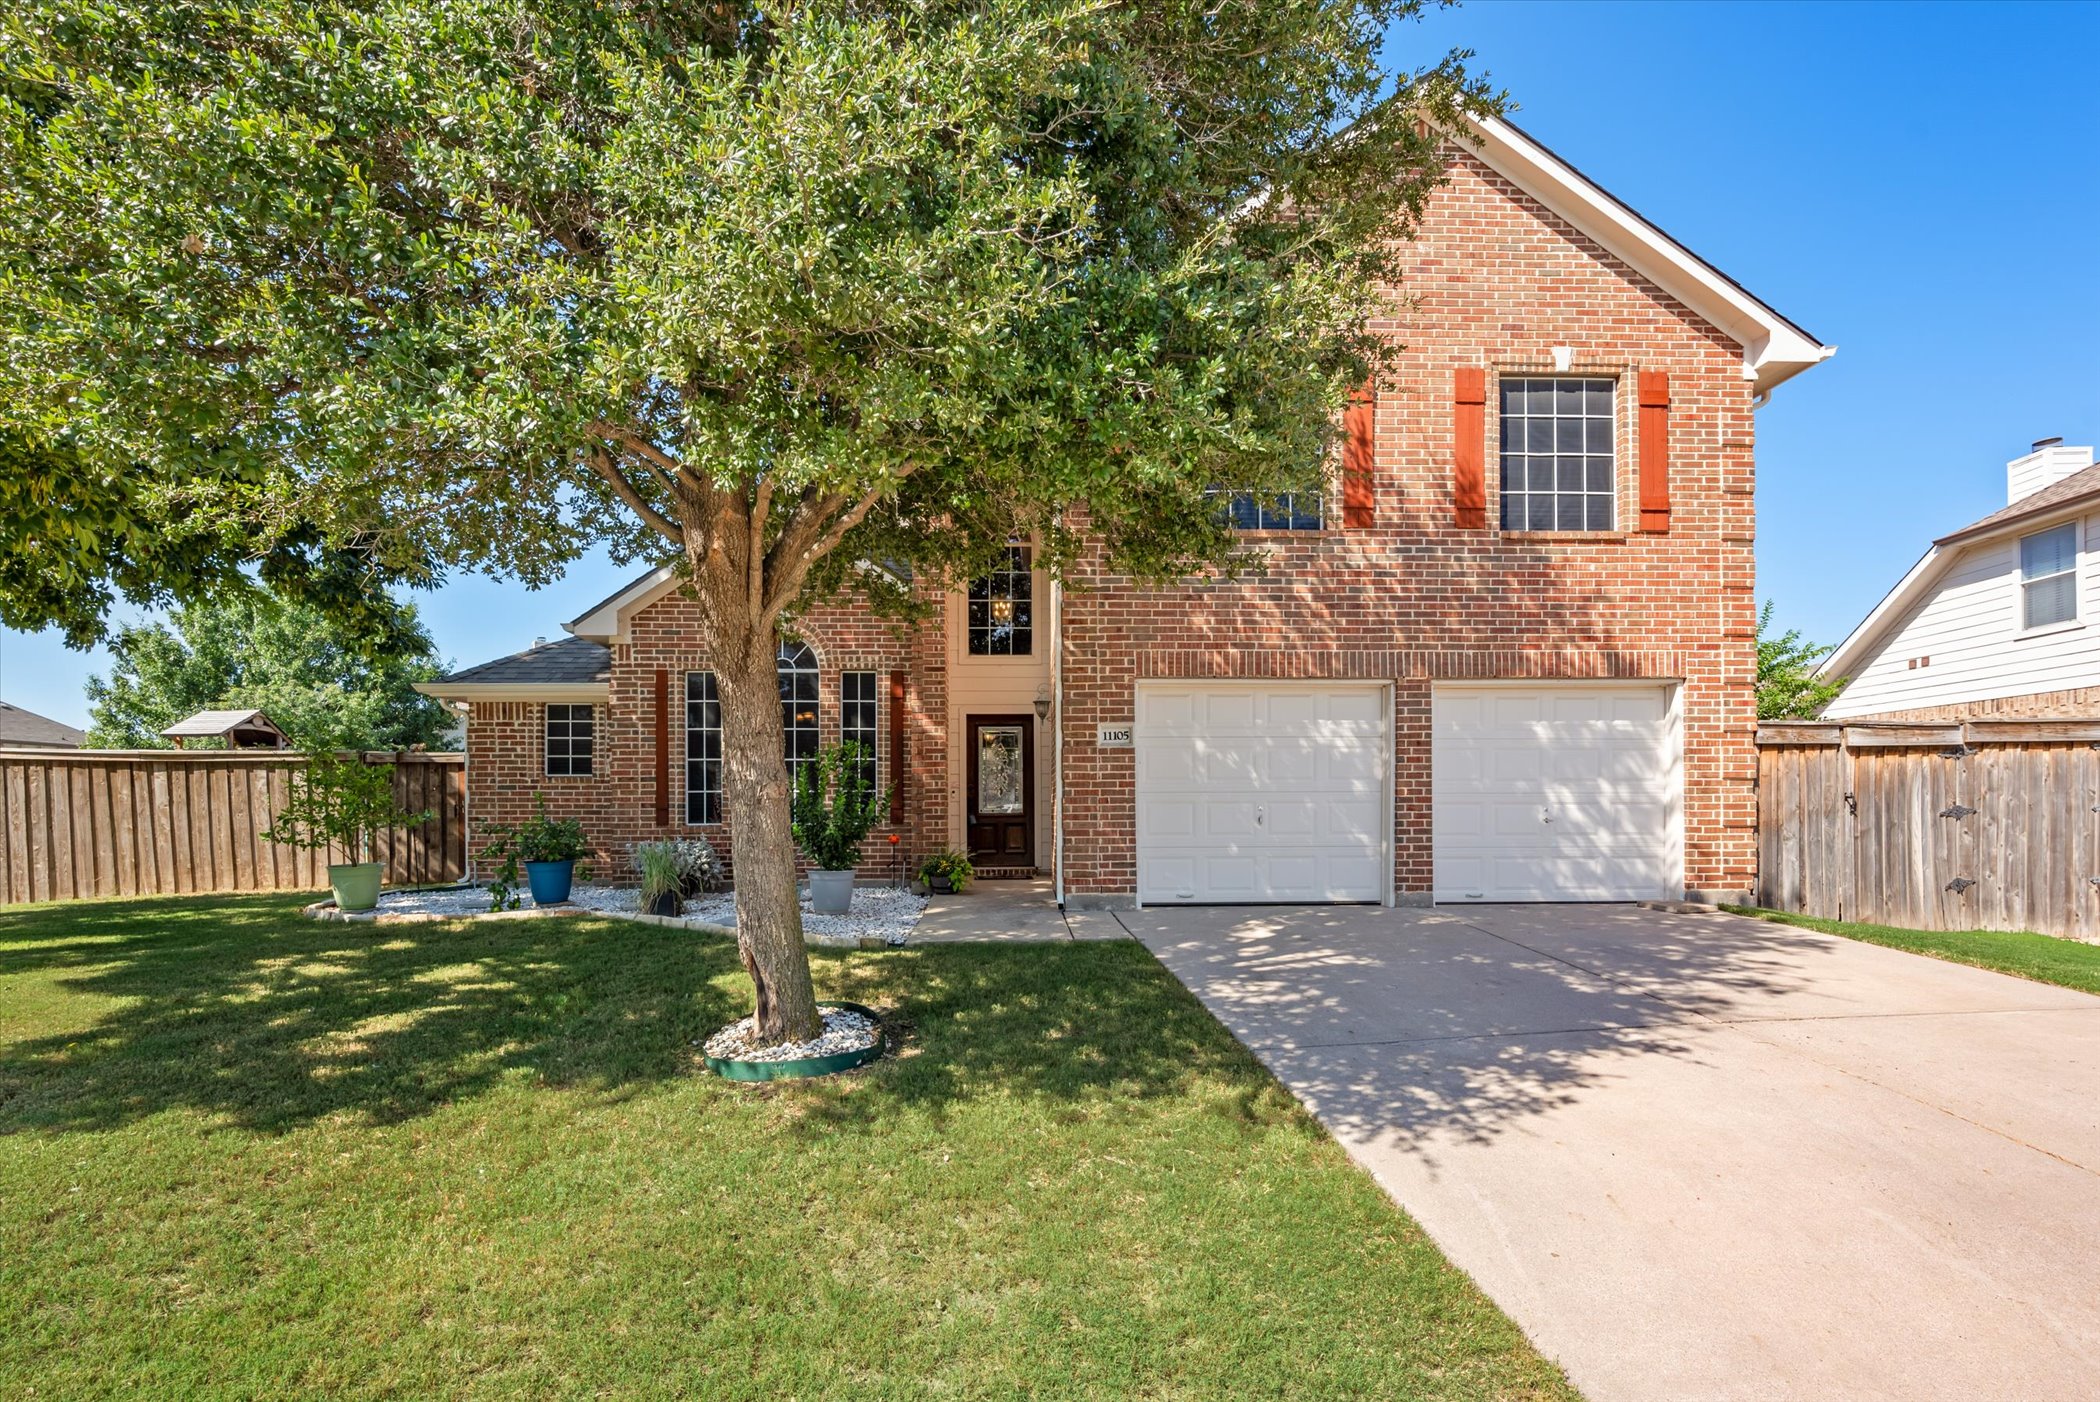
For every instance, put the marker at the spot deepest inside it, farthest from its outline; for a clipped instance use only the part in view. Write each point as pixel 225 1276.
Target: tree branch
pixel 602 464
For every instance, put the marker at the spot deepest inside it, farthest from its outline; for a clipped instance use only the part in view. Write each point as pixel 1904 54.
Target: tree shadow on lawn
pixel 240 1008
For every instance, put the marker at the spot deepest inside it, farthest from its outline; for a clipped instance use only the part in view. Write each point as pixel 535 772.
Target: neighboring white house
pixel 1999 619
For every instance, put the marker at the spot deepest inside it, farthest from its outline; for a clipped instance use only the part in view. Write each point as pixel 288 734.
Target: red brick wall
pixel 617 804
pixel 1493 281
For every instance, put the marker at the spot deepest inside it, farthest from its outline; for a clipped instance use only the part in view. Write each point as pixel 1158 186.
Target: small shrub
pixel 662 870
pixel 338 800
pixel 950 866
pixel 835 807
pixel 537 839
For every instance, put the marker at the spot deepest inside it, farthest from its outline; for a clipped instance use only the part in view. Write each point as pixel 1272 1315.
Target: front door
pixel 1001 826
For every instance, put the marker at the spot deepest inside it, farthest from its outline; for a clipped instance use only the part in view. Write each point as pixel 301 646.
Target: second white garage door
pixel 1255 792
pixel 1565 792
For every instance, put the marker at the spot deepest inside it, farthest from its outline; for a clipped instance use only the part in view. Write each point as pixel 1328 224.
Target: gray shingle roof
pixel 2079 484
pixel 564 662
pixel 20 727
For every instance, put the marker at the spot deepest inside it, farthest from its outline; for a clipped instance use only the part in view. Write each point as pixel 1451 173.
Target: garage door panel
pixel 1555 792
pixel 1288 787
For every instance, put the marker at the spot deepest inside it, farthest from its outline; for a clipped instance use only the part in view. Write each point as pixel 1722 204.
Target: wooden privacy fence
pixel 161 822
pixel 1988 825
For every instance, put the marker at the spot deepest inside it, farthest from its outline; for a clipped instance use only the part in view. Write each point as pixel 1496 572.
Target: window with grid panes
pixel 1559 453
pixel 857 720
pixel 570 738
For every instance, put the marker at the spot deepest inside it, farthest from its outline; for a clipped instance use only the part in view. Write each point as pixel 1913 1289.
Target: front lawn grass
pixel 247 1154
pixel 2043 958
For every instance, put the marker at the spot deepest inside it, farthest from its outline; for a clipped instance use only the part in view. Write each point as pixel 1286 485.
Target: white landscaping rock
pixel 878 912
pixel 843 1032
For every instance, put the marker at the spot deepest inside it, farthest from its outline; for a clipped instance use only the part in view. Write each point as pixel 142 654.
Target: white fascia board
pixel 1894 605
pixel 517 691
pixel 608 622
pixel 1774 349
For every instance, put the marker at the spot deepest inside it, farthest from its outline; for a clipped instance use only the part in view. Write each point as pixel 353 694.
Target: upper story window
pixel 2049 576
pixel 798 704
pixel 1559 454
pixel 1002 613
pixel 1284 511
pixel 570 740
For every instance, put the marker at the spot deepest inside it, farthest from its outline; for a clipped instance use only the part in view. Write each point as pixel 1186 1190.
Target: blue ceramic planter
pixel 550 881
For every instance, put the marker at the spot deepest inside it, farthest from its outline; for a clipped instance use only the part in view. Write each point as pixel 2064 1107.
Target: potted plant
pixel 835 810
pixel 548 847
pixel 699 867
pixel 946 871
pixel 663 874
pixel 338 801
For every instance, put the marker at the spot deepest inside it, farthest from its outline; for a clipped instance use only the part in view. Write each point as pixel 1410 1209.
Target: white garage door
pixel 1567 792
pixel 1262 791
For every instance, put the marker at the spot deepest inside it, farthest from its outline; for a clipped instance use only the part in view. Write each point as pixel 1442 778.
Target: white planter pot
pixel 831 892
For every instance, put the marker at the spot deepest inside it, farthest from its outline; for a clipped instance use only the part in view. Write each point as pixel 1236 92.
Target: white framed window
pixel 571 736
pixel 2049 577
pixel 797 666
pixel 1286 511
pixel 1559 453
pixel 1002 609
pixel 857 708
pixel 703 749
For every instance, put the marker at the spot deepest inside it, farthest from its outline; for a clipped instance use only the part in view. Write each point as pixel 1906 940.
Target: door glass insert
pixel 999 777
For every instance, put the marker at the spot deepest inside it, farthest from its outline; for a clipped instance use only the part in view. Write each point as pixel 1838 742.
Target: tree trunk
pixel 761 836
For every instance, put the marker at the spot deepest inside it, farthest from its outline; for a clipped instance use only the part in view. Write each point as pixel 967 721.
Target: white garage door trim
pixel 1255 791
pixel 1519 807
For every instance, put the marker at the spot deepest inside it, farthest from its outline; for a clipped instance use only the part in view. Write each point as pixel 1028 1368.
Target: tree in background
pixel 486 284
pixel 1787 684
pixel 289 659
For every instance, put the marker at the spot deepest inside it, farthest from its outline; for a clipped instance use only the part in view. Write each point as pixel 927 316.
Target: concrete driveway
pixel 1698 1156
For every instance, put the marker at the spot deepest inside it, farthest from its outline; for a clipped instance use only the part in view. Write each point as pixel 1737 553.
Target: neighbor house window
pixel 1559 463
pixel 1002 615
pixel 797 666
pixel 703 749
pixel 857 719
pixel 1283 511
pixel 2049 576
pixel 569 741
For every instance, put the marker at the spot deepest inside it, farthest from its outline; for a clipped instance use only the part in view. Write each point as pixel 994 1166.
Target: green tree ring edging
pixel 801 1068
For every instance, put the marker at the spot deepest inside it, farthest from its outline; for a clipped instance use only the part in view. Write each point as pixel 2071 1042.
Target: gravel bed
pixel 879 912
pixel 843 1032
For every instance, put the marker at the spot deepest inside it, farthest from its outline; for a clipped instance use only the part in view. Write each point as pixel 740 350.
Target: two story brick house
pixel 1508 655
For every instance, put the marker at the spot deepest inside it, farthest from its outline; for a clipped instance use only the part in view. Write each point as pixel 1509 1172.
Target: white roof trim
pixel 607 623
pixel 1894 605
pixel 1774 349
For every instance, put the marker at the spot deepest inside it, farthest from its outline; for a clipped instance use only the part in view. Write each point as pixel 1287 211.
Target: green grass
pixel 2043 958
pixel 246 1154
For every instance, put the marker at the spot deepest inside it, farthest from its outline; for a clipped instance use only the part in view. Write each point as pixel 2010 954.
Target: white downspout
pixel 1057 735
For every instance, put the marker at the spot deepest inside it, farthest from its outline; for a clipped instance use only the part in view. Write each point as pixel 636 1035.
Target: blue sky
pixel 1916 184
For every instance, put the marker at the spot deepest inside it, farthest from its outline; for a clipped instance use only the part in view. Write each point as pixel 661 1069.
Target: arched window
pixel 797 667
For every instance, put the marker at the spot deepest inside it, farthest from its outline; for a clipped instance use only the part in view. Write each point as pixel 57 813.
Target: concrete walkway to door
pixel 1698 1156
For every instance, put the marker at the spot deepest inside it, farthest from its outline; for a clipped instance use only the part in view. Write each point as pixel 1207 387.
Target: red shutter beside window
pixel 1469 448
pixel 1359 459
pixel 898 766
pixel 1654 432
pixel 663 748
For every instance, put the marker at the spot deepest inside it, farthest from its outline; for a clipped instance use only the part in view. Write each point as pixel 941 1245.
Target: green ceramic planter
pixel 732 1070
pixel 355 886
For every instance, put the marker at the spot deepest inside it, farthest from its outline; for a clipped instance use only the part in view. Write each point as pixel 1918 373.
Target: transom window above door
pixel 1559 454
pixel 1002 609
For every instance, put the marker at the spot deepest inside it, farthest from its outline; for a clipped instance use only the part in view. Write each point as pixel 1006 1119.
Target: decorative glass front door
pixel 1001 828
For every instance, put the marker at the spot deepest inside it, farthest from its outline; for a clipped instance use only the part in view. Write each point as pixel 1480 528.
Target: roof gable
pixel 1775 349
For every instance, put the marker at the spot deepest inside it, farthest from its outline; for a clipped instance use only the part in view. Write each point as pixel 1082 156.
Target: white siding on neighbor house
pixel 1969 625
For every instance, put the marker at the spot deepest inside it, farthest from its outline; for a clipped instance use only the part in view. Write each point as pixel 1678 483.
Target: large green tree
pixel 290 659
pixel 783 287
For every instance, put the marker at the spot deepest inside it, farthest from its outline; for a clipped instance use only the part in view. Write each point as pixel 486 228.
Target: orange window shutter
pixel 1360 459
pixel 1654 460
pixel 898 767
pixel 1469 448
